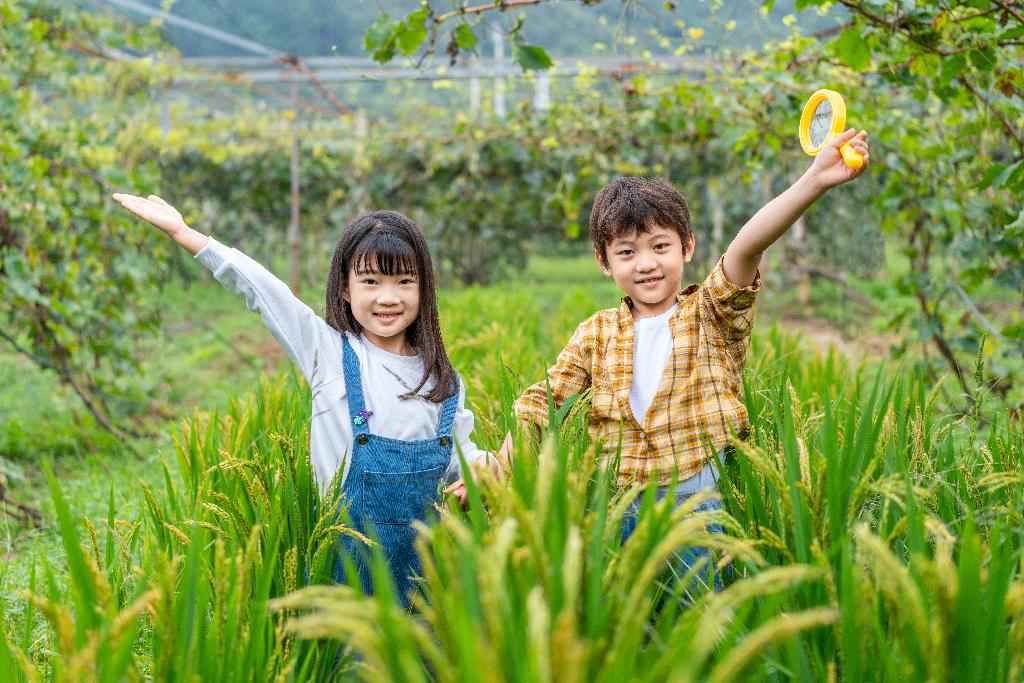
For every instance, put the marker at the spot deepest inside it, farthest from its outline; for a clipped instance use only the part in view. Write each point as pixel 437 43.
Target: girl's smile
pixel 384 306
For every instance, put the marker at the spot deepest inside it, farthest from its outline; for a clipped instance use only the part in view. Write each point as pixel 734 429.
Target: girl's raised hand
pixel 154 210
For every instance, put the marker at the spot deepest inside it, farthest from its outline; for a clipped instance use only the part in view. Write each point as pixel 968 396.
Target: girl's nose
pixel 387 298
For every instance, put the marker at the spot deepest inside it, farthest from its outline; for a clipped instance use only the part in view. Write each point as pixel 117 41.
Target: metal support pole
pixel 474 88
pixel 498 38
pixel 541 91
pixel 294 248
pixel 362 163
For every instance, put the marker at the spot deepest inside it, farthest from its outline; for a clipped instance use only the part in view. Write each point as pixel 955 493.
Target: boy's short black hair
pixel 633 204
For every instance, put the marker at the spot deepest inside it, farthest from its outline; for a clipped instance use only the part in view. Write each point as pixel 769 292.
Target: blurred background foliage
pixel 108 332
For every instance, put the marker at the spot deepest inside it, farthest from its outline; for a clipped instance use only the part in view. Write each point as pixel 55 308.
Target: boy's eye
pixel 662 245
pixel 624 252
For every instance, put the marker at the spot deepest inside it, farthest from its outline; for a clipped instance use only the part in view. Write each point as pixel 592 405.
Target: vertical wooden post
pixel 165 114
pixel 294 248
pixel 717 221
pixel 766 179
pixel 771 259
pixel 798 236
pixel 710 247
pixel 362 131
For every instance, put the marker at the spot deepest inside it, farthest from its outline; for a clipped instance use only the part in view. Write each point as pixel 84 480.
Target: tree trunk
pixel 798 237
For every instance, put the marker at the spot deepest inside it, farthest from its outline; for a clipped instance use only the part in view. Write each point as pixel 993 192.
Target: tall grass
pixel 182 593
pixel 857 543
pixel 868 536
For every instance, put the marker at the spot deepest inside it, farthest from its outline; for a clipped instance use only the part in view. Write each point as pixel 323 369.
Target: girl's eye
pixel 408 281
pixel 368 281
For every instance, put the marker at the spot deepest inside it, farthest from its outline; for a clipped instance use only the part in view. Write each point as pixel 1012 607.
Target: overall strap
pixel 353 387
pixel 448 408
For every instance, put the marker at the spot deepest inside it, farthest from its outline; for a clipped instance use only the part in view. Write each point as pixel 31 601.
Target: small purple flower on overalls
pixel 362 416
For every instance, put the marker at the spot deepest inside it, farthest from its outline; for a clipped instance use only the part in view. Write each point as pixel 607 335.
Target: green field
pixel 158 516
pixel 868 530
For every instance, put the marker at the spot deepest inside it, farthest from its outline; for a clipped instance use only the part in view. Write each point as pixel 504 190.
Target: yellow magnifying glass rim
pixel 838 125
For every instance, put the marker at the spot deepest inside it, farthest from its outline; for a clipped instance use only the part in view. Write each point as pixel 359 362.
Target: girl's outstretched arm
pixel 166 217
pixel 305 337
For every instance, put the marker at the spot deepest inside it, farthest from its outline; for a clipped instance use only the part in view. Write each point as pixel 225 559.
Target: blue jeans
pixel 687 558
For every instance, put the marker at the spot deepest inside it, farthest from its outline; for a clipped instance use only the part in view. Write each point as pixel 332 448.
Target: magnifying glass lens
pixel 821 123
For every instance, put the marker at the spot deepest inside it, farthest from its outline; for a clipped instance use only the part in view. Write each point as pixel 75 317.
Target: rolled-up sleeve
pixel 569 375
pixel 296 327
pixel 728 307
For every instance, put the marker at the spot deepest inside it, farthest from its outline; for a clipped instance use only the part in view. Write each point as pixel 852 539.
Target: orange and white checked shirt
pixel 699 399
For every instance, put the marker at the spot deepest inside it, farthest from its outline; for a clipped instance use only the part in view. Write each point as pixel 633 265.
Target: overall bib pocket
pixel 399 497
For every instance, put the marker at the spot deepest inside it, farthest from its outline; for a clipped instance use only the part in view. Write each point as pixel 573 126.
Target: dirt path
pixel 821 335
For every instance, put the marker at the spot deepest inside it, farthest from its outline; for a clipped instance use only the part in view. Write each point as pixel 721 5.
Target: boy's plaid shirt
pixel 700 396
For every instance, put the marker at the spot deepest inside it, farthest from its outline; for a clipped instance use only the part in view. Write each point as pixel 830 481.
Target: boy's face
pixel 648 267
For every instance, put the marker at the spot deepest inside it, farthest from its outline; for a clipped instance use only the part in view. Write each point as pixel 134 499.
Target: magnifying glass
pixel 823 118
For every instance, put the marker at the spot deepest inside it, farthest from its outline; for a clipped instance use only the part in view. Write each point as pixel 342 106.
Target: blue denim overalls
pixel 389 484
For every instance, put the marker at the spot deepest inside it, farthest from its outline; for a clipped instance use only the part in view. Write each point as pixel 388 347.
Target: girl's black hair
pixel 392 244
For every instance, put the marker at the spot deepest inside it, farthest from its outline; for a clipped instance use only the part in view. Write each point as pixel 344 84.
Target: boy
pixel 665 367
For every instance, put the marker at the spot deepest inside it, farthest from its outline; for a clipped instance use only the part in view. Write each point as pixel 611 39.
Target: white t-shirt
pixel 652 346
pixel 316 349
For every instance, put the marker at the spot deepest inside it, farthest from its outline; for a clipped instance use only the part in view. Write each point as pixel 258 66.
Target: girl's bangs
pixel 386 253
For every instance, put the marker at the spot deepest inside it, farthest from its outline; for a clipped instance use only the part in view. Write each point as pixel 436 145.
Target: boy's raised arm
pixel 154 210
pixel 775 218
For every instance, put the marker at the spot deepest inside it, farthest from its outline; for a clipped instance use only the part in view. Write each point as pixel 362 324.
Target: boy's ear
pixel 690 247
pixel 600 261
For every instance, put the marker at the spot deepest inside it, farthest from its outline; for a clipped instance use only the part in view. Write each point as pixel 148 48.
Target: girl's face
pixel 385 306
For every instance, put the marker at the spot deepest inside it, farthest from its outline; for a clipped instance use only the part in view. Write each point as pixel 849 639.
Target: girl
pixel 387 404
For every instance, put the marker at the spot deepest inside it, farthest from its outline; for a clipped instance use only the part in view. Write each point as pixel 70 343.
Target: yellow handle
pixel 852 158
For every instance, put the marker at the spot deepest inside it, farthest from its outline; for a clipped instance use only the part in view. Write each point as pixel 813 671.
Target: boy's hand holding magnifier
pixel 839 155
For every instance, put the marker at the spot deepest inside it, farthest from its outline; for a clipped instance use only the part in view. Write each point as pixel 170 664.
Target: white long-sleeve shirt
pixel 316 349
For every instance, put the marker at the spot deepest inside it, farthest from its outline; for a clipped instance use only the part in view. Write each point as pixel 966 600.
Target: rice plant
pixel 182 594
pixel 868 535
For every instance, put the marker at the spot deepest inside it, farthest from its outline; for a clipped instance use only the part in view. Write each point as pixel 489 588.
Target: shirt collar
pixel 625 314
pixel 686 291
pixel 625 317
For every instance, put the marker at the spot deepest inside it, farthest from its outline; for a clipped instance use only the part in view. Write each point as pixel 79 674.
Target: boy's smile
pixel 648 267
pixel 651 282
